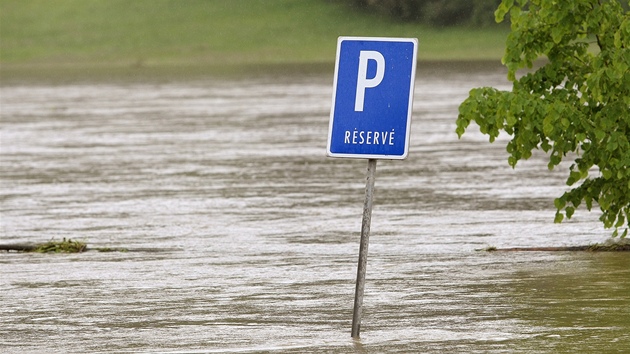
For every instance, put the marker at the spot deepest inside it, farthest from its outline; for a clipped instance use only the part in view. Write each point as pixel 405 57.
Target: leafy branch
pixel 578 102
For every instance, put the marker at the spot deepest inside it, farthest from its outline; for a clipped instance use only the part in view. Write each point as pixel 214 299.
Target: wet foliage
pixel 63 246
pixel 576 105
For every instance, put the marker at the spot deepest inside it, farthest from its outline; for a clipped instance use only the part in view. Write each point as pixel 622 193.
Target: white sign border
pixel 409 108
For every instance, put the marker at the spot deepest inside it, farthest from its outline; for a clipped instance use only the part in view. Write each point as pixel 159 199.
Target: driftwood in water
pixel 52 246
pixel 47 247
pixel 20 247
pixel 591 248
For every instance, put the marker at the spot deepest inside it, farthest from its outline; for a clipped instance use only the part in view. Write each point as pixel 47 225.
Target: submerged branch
pixel 69 246
pixel 617 247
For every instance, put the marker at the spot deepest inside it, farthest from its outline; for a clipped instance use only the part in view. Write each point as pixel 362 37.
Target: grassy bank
pixel 163 33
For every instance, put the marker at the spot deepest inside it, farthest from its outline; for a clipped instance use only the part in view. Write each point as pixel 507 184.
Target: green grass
pixel 210 32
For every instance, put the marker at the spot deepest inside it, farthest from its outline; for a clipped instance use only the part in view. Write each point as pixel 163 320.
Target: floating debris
pixel 52 246
pixel 63 246
pixel 620 245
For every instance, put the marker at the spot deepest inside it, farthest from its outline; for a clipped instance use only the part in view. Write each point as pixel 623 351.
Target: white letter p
pixel 362 81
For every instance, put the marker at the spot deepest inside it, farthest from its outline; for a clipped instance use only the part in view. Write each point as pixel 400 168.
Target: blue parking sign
pixel 372 98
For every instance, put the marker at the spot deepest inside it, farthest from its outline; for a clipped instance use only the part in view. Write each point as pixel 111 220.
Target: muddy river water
pixel 254 232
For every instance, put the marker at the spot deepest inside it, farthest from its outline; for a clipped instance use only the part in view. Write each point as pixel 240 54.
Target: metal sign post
pixel 363 248
pixel 371 118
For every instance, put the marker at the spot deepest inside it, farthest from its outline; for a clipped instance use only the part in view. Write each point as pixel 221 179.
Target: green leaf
pixel 559 203
pixel 502 10
pixel 589 202
pixel 600 134
pixel 512 161
pixel 557 32
pixel 620 220
pixel 559 217
pixel 574 176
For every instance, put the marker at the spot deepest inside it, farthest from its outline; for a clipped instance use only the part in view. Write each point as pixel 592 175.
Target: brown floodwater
pixel 257 230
